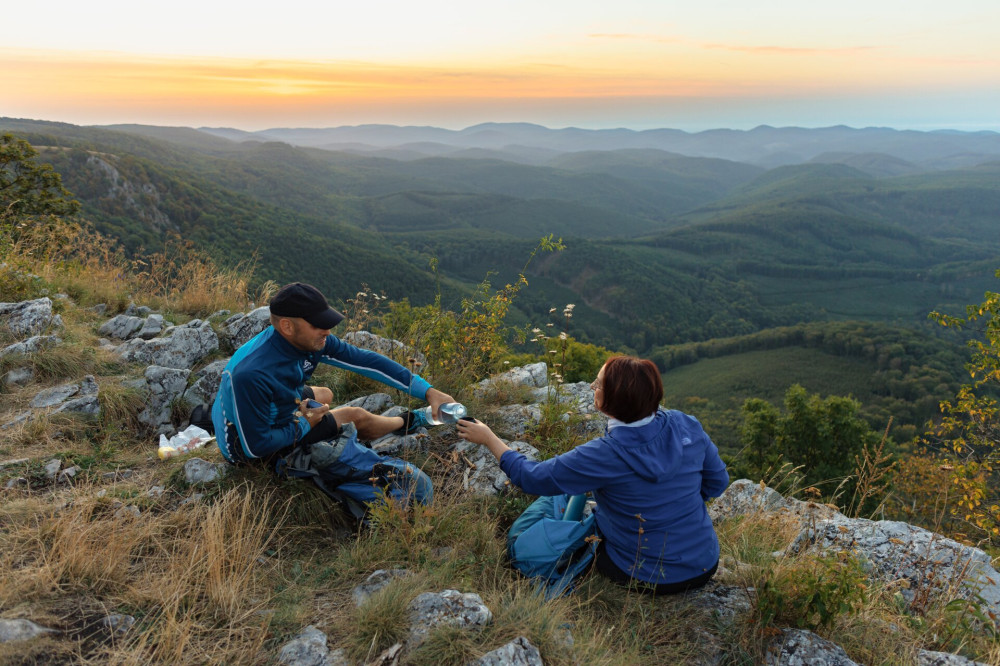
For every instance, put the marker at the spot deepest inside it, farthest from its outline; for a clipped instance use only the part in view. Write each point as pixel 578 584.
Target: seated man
pixel 262 409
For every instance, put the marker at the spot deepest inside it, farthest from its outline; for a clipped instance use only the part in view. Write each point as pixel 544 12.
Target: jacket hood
pixel 651 451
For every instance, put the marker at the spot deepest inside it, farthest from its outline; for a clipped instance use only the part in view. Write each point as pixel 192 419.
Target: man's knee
pixel 322 394
pixel 356 415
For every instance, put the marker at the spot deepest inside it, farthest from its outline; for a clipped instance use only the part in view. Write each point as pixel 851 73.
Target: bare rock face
pixel 60 394
pixel 447 608
pixel 486 478
pixel 207 383
pixel 182 349
pixel 798 647
pixel 198 471
pixel 28 318
pixel 375 582
pixel 32 345
pixel 20 630
pixel 519 652
pixel 164 385
pixel 309 648
pixel 394 349
pixel 239 328
pixel 929 658
pixel 535 375
pixel 121 327
pixel 892 551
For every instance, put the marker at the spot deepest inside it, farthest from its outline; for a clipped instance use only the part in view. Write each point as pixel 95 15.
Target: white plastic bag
pixel 187 440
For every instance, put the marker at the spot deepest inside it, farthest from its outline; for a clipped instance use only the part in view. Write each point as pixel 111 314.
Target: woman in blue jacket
pixel 650 474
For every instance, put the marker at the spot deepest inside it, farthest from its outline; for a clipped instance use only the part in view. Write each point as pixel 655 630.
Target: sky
pixel 909 64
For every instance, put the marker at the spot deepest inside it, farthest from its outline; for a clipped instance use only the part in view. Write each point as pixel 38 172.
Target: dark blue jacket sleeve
pixel 374 366
pixel 714 477
pixel 577 471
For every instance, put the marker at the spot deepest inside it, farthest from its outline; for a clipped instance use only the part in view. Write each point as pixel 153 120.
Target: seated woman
pixel 650 474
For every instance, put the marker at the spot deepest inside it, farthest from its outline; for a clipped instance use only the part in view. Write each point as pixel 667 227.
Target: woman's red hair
pixel 632 388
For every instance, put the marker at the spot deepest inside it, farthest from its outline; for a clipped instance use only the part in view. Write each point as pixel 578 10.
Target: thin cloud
pixel 635 37
pixel 790 50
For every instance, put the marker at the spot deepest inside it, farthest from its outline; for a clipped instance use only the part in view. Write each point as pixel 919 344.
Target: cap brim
pixel 326 319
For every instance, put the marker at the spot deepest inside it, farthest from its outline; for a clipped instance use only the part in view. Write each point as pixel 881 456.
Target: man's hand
pixel 313 414
pixel 435 399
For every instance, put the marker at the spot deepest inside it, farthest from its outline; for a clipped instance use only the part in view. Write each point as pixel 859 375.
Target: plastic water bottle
pixel 574 508
pixel 449 412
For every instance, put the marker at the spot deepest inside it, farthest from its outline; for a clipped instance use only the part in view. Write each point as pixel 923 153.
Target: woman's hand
pixel 474 431
pixel 478 432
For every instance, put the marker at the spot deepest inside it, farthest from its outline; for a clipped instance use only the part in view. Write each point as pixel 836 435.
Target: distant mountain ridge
pixel 763 146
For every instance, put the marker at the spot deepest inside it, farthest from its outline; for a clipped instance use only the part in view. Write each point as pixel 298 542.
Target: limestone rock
pixel 376 403
pixel 798 647
pixel 52 468
pixel 727 602
pixel 28 318
pixel 744 497
pixel 516 419
pixel 519 652
pixel 376 582
pixel 151 327
pixel 578 397
pixel 164 386
pixel 895 550
pixel 929 658
pixel 487 478
pixel 535 375
pixel 239 328
pixel 447 608
pixel 394 349
pixel 198 471
pixel 20 630
pixel 117 623
pixel 182 349
pixel 32 345
pixel 206 384
pixel 309 649
pixel 60 394
pixel 17 377
pixel 121 327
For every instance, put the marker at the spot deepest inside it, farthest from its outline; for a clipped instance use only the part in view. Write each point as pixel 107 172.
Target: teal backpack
pixel 549 542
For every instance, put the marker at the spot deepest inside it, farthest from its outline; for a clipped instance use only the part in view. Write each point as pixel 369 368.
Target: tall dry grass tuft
pixel 94 269
pixel 196 575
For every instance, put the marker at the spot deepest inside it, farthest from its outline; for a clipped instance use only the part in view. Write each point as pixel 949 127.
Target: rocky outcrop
pixel 182 348
pixel 28 318
pixel 128 327
pixel 240 327
pixel 448 608
pixel 32 345
pixel 798 647
pixel 914 559
pixel 206 383
pixel 394 349
pixel 163 387
pixel 309 648
pixel 21 630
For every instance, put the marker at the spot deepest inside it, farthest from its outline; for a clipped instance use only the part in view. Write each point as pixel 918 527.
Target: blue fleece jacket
pixel 261 389
pixel 650 483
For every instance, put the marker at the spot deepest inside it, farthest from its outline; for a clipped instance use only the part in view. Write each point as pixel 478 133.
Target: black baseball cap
pixel 305 302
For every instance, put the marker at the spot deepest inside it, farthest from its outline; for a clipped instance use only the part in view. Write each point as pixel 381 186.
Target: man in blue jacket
pixel 262 409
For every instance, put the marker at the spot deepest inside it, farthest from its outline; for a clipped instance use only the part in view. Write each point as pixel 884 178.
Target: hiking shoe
pixel 413 421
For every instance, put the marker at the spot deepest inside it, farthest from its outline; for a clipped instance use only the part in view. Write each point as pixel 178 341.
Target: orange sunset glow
pixel 598 71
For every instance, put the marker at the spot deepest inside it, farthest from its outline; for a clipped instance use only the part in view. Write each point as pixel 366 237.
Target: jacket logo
pixel 307 366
